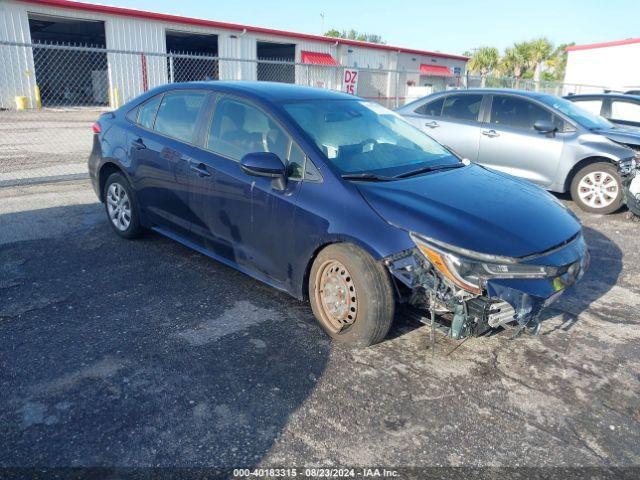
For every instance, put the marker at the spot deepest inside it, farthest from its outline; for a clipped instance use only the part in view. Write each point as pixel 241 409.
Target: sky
pixel 451 27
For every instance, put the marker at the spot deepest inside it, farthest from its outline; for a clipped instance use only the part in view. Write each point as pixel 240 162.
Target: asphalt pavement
pixel 144 353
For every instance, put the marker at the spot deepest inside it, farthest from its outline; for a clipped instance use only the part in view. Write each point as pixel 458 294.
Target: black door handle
pixel 200 168
pixel 138 144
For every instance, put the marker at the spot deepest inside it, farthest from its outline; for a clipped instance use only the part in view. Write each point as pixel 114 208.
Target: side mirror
pixel 545 126
pixel 265 164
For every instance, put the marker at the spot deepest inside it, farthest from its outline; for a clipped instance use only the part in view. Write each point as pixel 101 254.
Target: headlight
pixel 469 270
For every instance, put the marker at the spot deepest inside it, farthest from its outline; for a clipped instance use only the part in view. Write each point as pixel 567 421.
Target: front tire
pixel 597 188
pixel 121 207
pixel 351 295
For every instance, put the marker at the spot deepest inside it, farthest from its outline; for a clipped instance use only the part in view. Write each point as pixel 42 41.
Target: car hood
pixel 621 135
pixel 474 208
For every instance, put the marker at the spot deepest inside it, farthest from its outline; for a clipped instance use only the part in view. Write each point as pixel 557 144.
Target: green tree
pixel 354 35
pixel 557 63
pixel 484 61
pixel 515 61
pixel 541 50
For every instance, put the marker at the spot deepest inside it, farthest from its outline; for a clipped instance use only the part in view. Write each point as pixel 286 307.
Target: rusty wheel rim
pixel 336 296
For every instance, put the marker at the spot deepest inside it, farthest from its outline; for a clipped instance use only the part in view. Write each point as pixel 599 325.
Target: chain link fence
pixel 51 94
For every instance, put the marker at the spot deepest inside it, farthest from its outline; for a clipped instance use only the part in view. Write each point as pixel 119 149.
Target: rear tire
pixel 597 188
pixel 351 295
pixel 121 207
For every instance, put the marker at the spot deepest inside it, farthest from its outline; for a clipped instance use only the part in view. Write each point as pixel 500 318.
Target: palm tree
pixel 558 61
pixel 541 50
pixel 515 60
pixel 484 61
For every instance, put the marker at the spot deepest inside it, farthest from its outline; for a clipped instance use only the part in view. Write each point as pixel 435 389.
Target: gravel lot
pixel 45 143
pixel 144 353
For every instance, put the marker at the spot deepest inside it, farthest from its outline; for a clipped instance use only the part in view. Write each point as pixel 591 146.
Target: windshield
pixel 577 114
pixel 363 137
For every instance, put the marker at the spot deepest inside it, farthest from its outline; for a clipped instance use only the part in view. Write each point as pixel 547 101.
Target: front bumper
pixel 475 314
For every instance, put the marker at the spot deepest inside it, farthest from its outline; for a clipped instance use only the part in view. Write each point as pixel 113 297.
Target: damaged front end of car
pixel 629 170
pixel 475 292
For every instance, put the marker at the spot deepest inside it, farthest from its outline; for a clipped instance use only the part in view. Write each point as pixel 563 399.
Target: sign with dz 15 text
pixel 350 81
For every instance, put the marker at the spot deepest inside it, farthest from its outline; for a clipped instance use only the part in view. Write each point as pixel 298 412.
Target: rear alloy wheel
pixel 351 295
pixel 121 206
pixel 597 188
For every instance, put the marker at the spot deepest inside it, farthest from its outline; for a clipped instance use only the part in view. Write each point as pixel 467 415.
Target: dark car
pixel 337 200
pixel 621 109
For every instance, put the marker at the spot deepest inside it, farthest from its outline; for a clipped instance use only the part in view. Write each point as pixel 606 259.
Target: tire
pixel 366 312
pixel 602 199
pixel 119 198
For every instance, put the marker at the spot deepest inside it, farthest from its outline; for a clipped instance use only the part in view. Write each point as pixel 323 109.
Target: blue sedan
pixel 337 200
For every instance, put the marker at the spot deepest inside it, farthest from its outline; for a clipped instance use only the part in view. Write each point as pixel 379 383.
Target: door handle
pixel 138 144
pixel 200 168
pixel 432 124
pixel 490 133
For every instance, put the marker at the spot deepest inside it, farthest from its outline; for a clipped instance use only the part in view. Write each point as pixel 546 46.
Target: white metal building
pixel 612 65
pixel 123 29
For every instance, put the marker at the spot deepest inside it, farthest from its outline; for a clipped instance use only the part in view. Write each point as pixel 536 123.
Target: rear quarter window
pixel 146 113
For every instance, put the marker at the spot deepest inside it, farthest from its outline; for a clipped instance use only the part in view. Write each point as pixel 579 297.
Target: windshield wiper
pixel 433 168
pixel 372 177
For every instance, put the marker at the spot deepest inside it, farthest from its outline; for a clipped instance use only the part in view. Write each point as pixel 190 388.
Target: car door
pixel 235 218
pixel 509 143
pixel 161 149
pixel 624 112
pixel 452 120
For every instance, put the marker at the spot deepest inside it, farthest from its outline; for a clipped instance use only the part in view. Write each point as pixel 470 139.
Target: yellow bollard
pixel 21 103
pixel 36 90
pixel 115 98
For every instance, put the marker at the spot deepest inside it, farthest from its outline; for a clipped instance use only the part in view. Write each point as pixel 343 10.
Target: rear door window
pixel 625 111
pixel 462 107
pixel 431 109
pixel 178 114
pixel 519 113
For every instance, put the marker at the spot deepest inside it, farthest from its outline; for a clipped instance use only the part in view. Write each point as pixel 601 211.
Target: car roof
pixel 485 91
pixel 273 92
pixel 604 95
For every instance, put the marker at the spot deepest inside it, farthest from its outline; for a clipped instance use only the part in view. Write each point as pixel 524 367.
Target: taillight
pixel 95 127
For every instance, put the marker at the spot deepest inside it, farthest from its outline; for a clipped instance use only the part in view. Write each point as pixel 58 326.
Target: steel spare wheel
pixel 336 296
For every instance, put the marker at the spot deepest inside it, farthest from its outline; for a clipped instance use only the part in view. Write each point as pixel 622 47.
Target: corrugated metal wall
pixel 125 71
pixel 17 75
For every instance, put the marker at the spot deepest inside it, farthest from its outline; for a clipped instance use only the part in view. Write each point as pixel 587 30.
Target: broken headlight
pixel 469 270
pixel 629 165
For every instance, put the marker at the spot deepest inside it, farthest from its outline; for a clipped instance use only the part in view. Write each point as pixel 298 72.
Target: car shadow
pixel 602 274
pixel 143 353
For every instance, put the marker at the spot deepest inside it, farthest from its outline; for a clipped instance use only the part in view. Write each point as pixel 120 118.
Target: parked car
pixel 335 199
pixel 541 138
pixel 620 109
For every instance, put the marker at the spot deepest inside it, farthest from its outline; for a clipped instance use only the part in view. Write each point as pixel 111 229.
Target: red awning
pixel 435 70
pixel 315 58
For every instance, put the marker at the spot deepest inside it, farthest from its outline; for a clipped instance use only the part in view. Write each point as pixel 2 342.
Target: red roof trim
pixel 435 70
pixel 129 12
pixel 615 43
pixel 315 58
